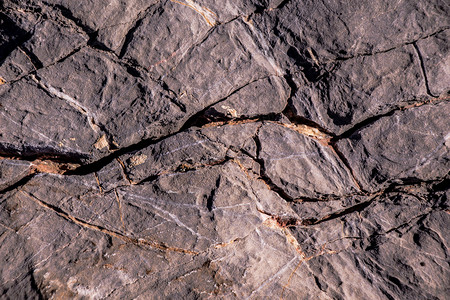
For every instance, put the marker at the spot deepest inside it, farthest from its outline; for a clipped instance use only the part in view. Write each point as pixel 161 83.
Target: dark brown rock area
pixel 233 149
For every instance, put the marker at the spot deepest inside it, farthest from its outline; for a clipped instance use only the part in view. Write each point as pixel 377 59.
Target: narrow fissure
pixel 423 69
pixel 125 238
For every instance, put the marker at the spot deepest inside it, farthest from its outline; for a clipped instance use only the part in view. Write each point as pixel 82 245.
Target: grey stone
pixel 407 146
pixel 360 88
pixel 12 171
pixel 197 149
pixel 436 58
pixel 302 166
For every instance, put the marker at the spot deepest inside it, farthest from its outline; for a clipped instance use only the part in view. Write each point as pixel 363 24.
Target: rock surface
pixel 249 149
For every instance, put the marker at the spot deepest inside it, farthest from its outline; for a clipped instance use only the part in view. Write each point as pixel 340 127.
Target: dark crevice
pixel 17 184
pixel 259 9
pixel 129 38
pixel 130 33
pixel 12 36
pixel 435 185
pixel 210 199
pixel 366 122
pixel 264 175
pixel 345 161
pixel 202 118
pixel 289 113
pixel 393 188
pixel 441 185
pixel 174 100
pixel 298 120
pixel 355 208
pixel 91 33
pixel 30 153
pixel 283 4
pixel 423 69
pixel 62 59
pixel 37 64
pixel 151 178
pixel 293 222
pixel 310 67
pixel 65 12
pixel 290 81
pixel 319 283
pixel 94 43
pixel 99 164
pixel 133 71
pixel 34 286
pixel 216 119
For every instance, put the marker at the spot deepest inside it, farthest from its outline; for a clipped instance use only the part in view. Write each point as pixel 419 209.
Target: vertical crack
pixel 210 199
pixel 35 286
pixel 344 160
pixel 422 67
pixel 130 33
pixel 263 174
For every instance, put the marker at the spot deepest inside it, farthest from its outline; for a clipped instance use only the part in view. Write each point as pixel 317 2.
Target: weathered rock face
pixel 250 149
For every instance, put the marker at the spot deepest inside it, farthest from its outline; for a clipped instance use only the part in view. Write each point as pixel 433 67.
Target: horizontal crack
pixel 343 58
pixel 287 221
pixel 355 208
pixel 370 120
pixel 183 168
pixel 21 182
pixel 200 119
pixel 125 238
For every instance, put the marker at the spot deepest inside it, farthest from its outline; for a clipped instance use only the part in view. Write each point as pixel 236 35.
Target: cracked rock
pixel 248 149
pixel 406 146
pixel 360 88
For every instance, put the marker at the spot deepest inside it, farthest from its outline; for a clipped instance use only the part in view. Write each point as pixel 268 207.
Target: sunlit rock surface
pixel 245 149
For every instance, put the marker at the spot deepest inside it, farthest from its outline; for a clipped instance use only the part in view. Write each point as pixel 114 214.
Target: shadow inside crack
pixel 11 36
pixel 30 153
pixel 312 72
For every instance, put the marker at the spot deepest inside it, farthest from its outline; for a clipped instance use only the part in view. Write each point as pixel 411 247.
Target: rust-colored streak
pixel 204 12
pixel 51 167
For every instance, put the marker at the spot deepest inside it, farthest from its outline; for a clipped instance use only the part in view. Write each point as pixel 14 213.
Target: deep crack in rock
pixel 232 149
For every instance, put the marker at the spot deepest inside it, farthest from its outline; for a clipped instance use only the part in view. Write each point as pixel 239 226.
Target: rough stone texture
pixel 250 149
